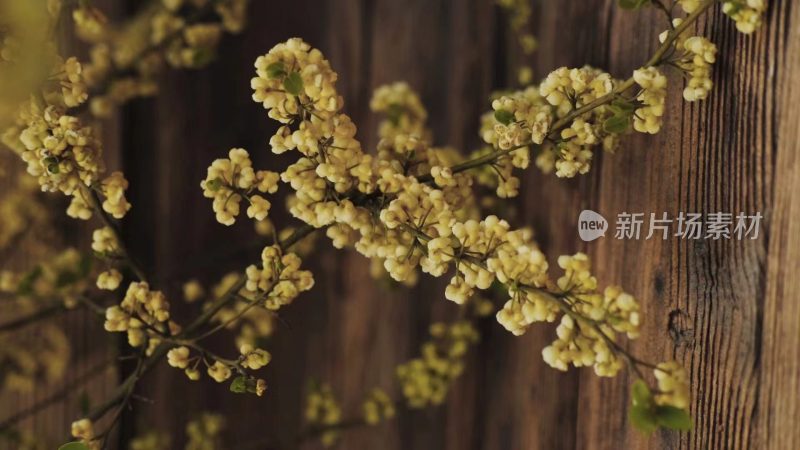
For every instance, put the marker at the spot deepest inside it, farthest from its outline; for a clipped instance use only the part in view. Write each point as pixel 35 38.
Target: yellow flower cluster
pixel 377 407
pixel 333 166
pixel 701 55
pixel 91 25
pixel 111 87
pixel 185 45
pixel 569 89
pixel 427 379
pixel 380 207
pixel 293 80
pixel 221 370
pixel 83 429
pixel 23 212
pixel 253 324
pixel 124 65
pixel 696 55
pixel 413 156
pixel 529 117
pixel 64 277
pixel 519 12
pixel 648 117
pixel 673 385
pixel 525 117
pixel 747 14
pixel 519 118
pixel 73 86
pixel 254 358
pixel 113 189
pixel 152 440
pixel 525 308
pixel 141 313
pixel 233 179
pixel 322 410
pixel 279 280
pixel 588 330
pixel 28 362
pixel 405 114
pixel 63 154
pixel 205 432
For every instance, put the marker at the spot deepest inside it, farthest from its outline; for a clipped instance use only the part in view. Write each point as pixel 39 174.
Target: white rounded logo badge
pixel 591 225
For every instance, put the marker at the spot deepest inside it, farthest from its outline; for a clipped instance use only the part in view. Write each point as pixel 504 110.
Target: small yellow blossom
pixel 748 14
pixel 233 179
pixel 648 118
pixel 254 358
pixel 279 279
pixel 193 291
pixel 673 385
pixel 377 407
pixel 204 433
pixel 109 280
pixel 178 357
pixel 426 380
pixel 322 410
pixel 219 372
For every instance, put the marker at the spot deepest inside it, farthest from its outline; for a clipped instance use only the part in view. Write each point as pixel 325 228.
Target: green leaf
pixel 276 70
pixel 51 162
pixel 622 107
pixel 74 446
pixel 26 284
pixel 673 418
pixel 202 57
pixel 394 113
pixel 643 419
pixel 617 124
pixel 239 385
pixel 213 184
pixel 503 116
pixel 731 8
pixel 641 394
pixel 632 4
pixel 293 83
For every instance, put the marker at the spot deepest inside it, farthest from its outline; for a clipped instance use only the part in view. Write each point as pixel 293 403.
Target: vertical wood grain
pixel 728 310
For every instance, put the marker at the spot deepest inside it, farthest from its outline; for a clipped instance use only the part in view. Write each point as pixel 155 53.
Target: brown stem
pixel 654 60
pixel 160 351
pixel 61 394
pixel 94 200
pixel 40 314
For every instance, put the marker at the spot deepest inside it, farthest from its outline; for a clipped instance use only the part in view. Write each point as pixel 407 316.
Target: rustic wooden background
pixel 728 310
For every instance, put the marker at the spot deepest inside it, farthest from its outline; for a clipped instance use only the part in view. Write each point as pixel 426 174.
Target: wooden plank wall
pixel 728 310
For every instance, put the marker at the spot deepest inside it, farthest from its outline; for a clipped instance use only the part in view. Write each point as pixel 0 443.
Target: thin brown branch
pixel 40 314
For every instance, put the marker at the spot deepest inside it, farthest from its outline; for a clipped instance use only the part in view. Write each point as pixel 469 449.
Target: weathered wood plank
pixel 726 309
